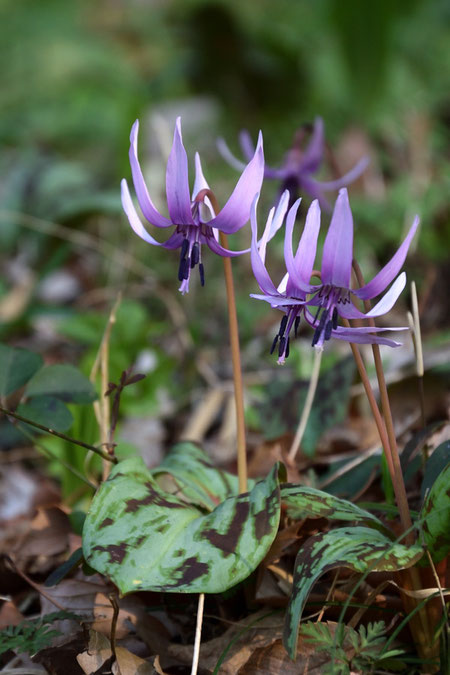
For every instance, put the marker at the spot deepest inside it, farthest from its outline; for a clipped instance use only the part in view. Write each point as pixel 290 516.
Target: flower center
pixel 327 312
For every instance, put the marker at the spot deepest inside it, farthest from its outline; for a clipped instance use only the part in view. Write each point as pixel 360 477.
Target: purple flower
pixel 333 297
pixel 193 217
pixel 299 165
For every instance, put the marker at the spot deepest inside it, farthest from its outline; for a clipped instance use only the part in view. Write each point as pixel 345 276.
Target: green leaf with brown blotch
pixel 144 538
pixel 307 502
pixel 436 515
pixel 358 548
pixel 196 478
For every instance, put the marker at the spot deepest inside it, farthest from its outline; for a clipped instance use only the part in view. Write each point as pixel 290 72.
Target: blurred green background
pixel 75 76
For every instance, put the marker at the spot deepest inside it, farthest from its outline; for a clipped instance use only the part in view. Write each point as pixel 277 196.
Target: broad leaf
pixel 436 514
pixel 47 410
pixel 63 381
pixel 16 368
pixel 146 539
pixel 358 548
pixel 307 502
pixel 196 477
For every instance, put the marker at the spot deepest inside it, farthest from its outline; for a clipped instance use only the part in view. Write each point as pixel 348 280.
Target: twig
pixel 87 446
pixel 198 634
pixel 115 605
pixel 308 404
pixel 29 581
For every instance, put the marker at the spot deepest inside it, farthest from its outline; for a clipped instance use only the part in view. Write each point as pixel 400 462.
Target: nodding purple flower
pixel 333 297
pixel 299 165
pixel 193 218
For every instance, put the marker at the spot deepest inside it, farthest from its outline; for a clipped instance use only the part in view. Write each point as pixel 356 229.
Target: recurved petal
pixel 236 211
pixel 173 242
pixel 296 276
pixel 200 182
pixel 259 270
pixel 360 338
pixel 313 155
pixel 177 181
pixel 247 145
pixel 383 306
pixel 148 208
pixel 338 246
pixel 347 178
pixel 228 155
pixel 390 270
pixel 216 247
pixel 276 300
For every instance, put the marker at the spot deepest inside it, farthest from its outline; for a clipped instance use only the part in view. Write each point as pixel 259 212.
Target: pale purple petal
pixel 274 222
pixel 347 178
pixel 295 275
pixel 247 145
pixel 173 242
pixel 228 155
pixel 177 182
pixel 277 301
pixel 236 211
pixel 220 250
pixel 360 338
pixel 338 246
pixel 306 251
pixel 259 269
pixel 389 271
pixel 148 208
pixel 313 155
pixel 383 306
pixel 200 182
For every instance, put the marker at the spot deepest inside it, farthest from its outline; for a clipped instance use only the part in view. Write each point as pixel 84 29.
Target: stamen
pixel 181 269
pixel 283 325
pixel 274 344
pixel 184 249
pixel 195 254
pixel 328 329
pixel 322 321
pixel 316 337
pixel 281 346
pixel 296 325
pixel 202 274
pixel 286 354
pixel 334 318
pixel 317 313
pixel 187 264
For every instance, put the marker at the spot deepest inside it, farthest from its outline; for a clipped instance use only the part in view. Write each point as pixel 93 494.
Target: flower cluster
pixel 196 223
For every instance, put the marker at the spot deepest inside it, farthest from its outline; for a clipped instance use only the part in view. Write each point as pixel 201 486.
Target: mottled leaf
pixel 436 514
pixel 200 481
pixel 16 368
pixel 47 410
pixel 63 381
pixel 358 548
pixel 307 502
pixel 144 538
pixel 281 410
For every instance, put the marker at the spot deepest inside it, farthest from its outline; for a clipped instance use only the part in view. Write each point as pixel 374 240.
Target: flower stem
pixel 237 372
pixel 308 404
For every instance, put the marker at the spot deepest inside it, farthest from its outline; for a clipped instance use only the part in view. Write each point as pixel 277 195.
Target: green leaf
pixel 144 538
pixel 47 410
pixel 63 381
pixel 307 502
pixel 16 368
pixel 434 466
pixel 358 548
pixel 63 570
pixel 201 482
pixel 436 515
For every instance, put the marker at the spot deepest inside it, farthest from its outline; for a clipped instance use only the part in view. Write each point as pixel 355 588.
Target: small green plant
pixel 31 636
pixel 352 650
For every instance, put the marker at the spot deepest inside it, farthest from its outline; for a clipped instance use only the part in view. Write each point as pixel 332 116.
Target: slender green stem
pixel 86 446
pixel 417 335
pixel 308 404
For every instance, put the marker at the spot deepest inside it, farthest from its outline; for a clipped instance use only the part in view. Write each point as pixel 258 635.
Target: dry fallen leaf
pixel 130 664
